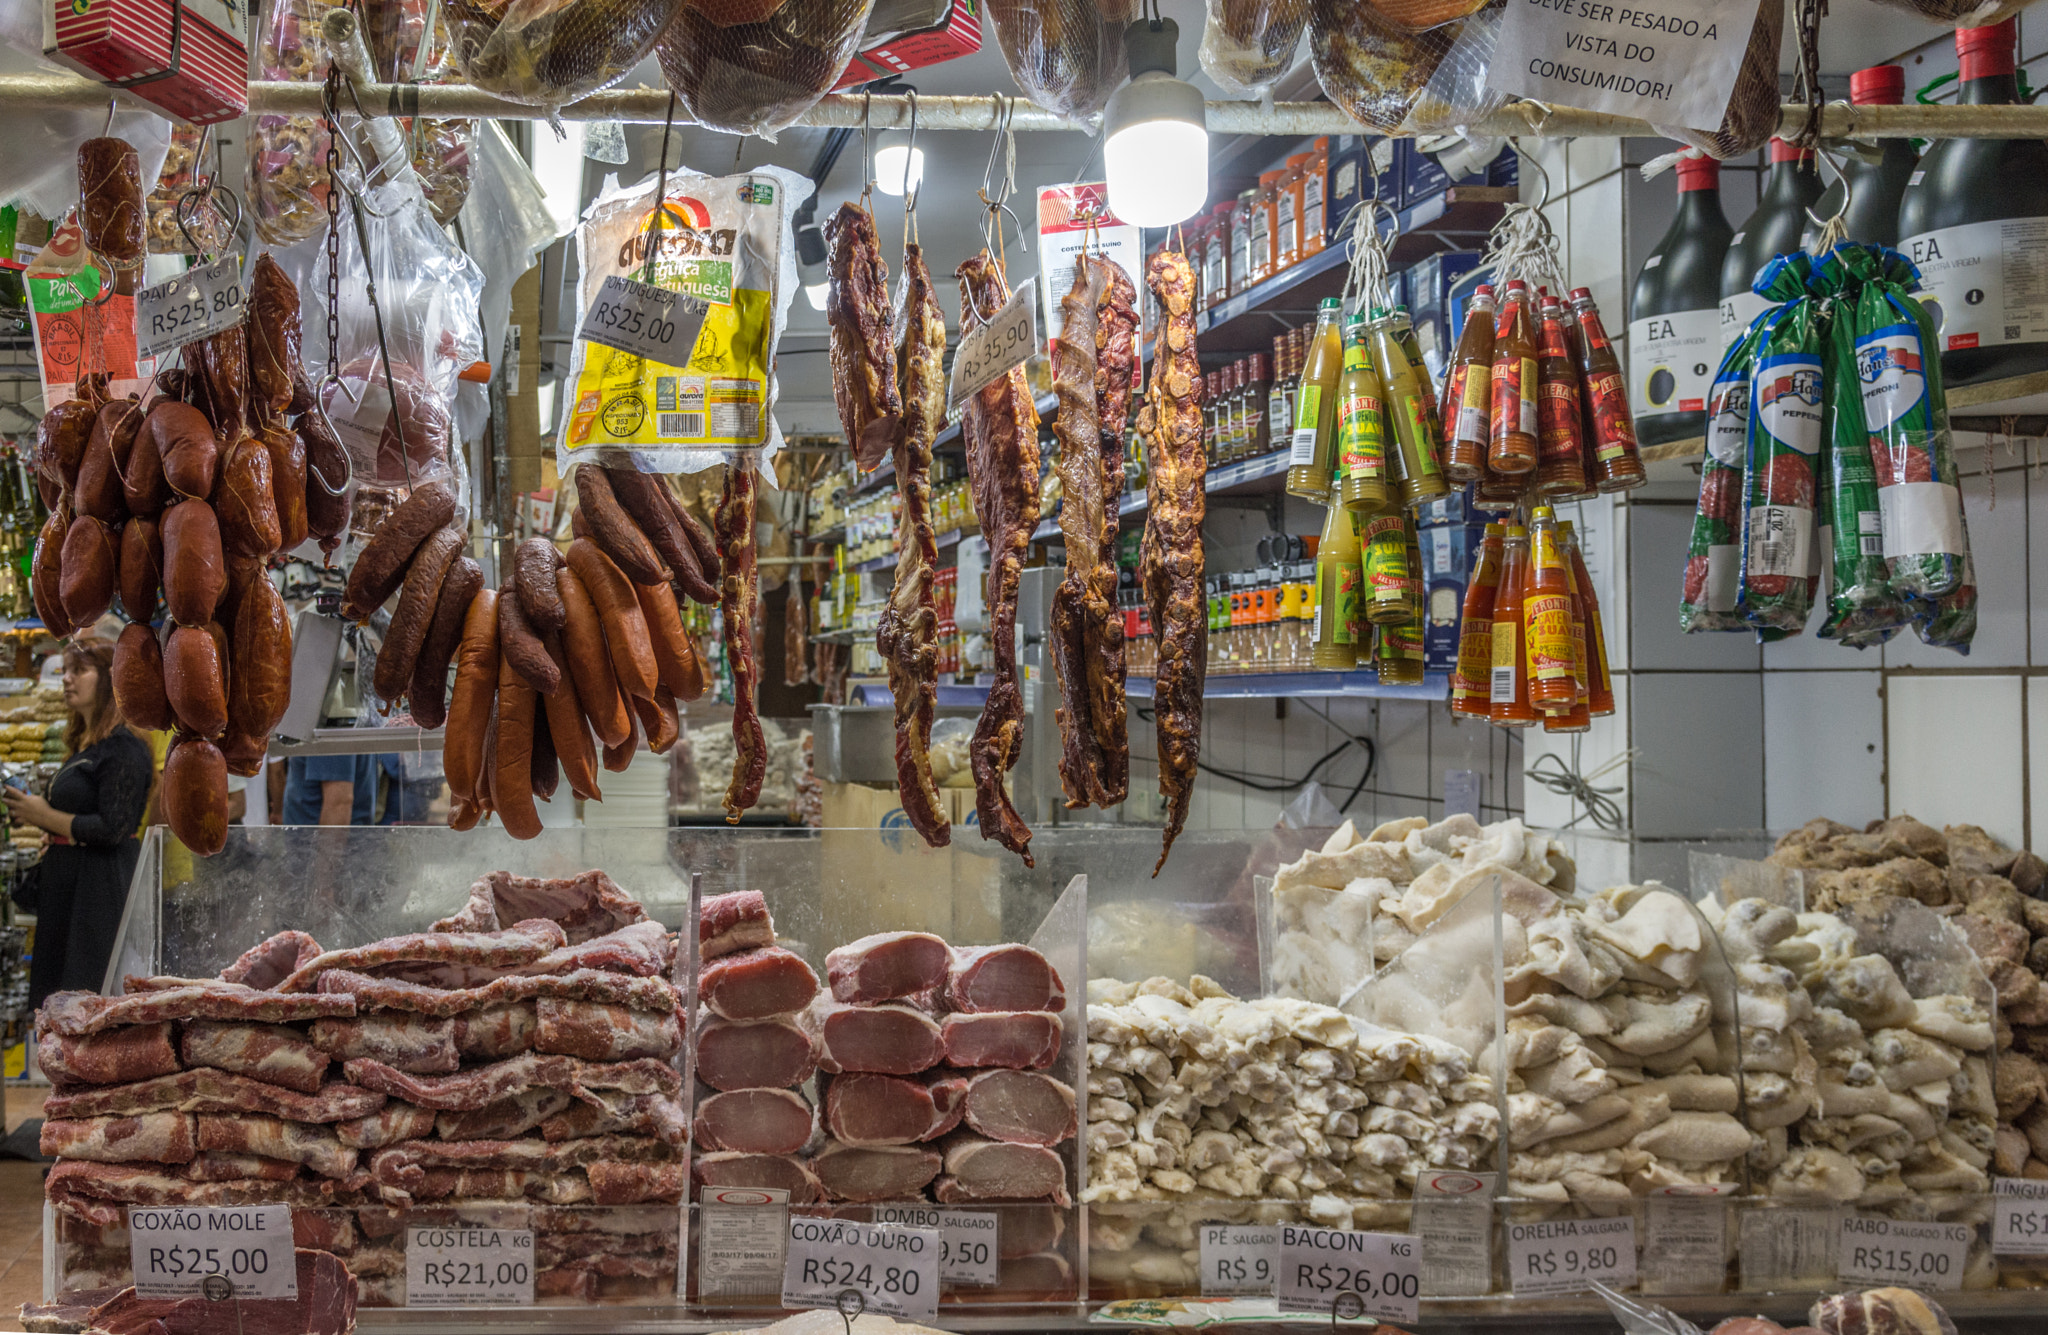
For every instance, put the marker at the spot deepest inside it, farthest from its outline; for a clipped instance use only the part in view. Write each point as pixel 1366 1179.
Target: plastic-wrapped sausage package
pixel 1066 55
pixel 727 242
pixel 757 75
pixel 546 53
pixel 1392 79
pixel 1752 114
pixel 1248 44
pixel 1780 558
pixel 1713 553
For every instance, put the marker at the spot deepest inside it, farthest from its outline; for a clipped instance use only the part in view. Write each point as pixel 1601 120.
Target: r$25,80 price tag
pixel 645 321
pixel 1238 1259
pixel 2020 1224
pixel 1318 1266
pixel 198 303
pixel 1567 1255
pixel 174 1251
pixel 895 1270
pixel 990 351
pixel 1877 1251
pixel 468 1266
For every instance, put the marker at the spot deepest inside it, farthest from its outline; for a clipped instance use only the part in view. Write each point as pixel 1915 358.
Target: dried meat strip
pixel 863 367
pixel 1001 431
pixel 1116 365
pixel 908 636
pixel 739 587
pixel 1170 564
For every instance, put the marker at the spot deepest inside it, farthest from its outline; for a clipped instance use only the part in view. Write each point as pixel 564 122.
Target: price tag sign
pixel 967 1240
pixel 645 321
pixel 739 1253
pixel 1238 1259
pixel 895 1269
pixel 468 1267
pixel 1453 1216
pixel 1567 1255
pixel 992 350
pixel 1317 1265
pixel 174 1250
pixel 198 303
pixel 1878 1252
pixel 2020 1225
pixel 1686 1245
pixel 1787 1248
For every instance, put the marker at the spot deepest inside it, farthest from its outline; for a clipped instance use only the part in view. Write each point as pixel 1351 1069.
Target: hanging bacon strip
pixel 739 588
pixel 1116 345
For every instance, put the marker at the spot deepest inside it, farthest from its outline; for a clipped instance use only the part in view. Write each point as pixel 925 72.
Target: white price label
pixel 468 1267
pixel 991 350
pixel 1567 1255
pixel 175 1251
pixel 1238 1259
pixel 1454 1218
pixel 198 303
pixel 645 321
pixel 1685 1246
pixel 2019 1227
pixel 894 1269
pixel 739 1252
pixel 1319 1265
pixel 967 1240
pixel 1928 1257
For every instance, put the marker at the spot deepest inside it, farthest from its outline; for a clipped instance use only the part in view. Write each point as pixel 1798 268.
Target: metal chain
pixel 333 224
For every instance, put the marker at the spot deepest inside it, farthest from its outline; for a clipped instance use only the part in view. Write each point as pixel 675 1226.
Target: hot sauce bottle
pixel 1361 425
pixel 1471 682
pixel 1408 410
pixel 1514 425
pixel 1617 464
pixel 1547 618
pixel 1315 408
pixel 1404 334
pixel 1399 655
pixel 1560 468
pixel 1335 633
pixel 1468 430
pixel 1508 694
pixel 1386 568
pixel 1599 682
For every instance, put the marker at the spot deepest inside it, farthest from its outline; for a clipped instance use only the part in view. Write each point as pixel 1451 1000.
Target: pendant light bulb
pixel 1156 135
pixel 892 151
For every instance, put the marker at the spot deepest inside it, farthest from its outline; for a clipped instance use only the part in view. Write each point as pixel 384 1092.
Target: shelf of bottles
pixel 1331 685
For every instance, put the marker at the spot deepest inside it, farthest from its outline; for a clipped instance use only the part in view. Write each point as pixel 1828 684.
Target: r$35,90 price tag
pixel 174 1251
pixel 894 1269
pixel 2020 1225
pixel 1877 1251
pixel 1318 1266
pixel 1238 1259
pixel 645 321
pixel 1567 1255
pixel 989 351
pixel 468 1266
pixel 196 304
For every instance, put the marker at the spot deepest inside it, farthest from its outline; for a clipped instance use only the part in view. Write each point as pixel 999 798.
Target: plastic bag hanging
pixel 1066 55
pixel 546 53
pixel 286 181
pixel 1248 44
pixel 1752 114
pixel 758 77
pixel 1390 79
pixel 409 43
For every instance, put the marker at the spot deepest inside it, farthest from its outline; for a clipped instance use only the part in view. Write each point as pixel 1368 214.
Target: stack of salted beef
pixel 521 1052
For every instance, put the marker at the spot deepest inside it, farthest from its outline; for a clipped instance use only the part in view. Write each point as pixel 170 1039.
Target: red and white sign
pixel 1076 217
pixel 188 57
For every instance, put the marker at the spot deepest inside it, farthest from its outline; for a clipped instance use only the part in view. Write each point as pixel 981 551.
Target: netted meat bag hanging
pixel 1066 55
pixel 1247 44
pixel 1391 78
pixel 754 66
pixel 546 53
pixel 1752 114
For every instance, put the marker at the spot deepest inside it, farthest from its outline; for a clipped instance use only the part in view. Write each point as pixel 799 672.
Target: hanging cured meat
pixel 738 590
pixel 863 369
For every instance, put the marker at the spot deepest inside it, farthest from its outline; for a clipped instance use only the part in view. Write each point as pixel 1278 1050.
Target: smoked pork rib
pixel 908 635
pixel 1001 430
pixel 1170 564
pixel 738 589
pixel 857 308
pixel 1082 763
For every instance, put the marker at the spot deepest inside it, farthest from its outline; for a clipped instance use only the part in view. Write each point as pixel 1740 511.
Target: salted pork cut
pixel 754 1054
pixel 770 1172
pixel 874 1173
pixel 156 1137
pixel 646 994
pixel 984 1170
pixel 268 1052
pixel 414 1043
pixel 393 1122
pixel 754 984
pixel 887 965
pixel 1002 978
pixel 587 905
pixel 317 1147
pixel 208 1090
pixel 733 922
pixel 115 1057
pixel 485 1084
pixel 756 1121
pixel 866 1109
pixel 607 1112
pixel 514 1115
pixel 498 1030
pixel 1020 1040
pixel 642 948
pixel 74 1014
pixel 1023 1107
pixel 272 960
pixel 507 949
pixel 326 1305
pixel 888 1039
pixel 598 1032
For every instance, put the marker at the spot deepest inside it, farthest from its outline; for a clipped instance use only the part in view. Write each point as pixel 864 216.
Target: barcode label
pixel 1870 546
pixel 679 426
pixel 1303 451
pixel 1779 538
pixel 1503 686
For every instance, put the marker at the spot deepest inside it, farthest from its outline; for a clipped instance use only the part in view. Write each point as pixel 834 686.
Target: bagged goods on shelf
pixel 1248 44
pixel 1390 79
pixel 1752 114
pixel 547 55
pixel 1780 559
pixel 1066 55
pixel 757 77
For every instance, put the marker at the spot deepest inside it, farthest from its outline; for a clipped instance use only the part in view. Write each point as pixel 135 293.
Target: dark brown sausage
pixel 187 447
pixel 641 495
pixel 617 758
pixel 195 794
pixel 99 491
pixel 470 706
pixel 658 720
pixel 247 504
pixel 243 753
pixel 61 438
pixel 327 479
pixel 144 489
pixel 195 680
pixel 274 337
pixel 675 658
pixel 46 573
pixel 287 483
pixel 304 396
pixel 512 772
pixel 534 563
pixel 139 679
pixel 546 768
pixel 380 567
pixel 222 365
pixel 260 657
pixel 487 777
pixel 612 529
pixel 618 611
pixel 569 732
pixel 110 200
pixel 590 664
pixel 415 610
pixel 195 567
pixel 142 567
pixel 521 649
pixel 428 694
pixel 708 559
pixel 90 563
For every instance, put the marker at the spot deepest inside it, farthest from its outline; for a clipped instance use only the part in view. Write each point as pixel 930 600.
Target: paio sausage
pixel 186 446
pixel 612 529
pixel 487 776
pixel 409 620
pixel 470 707
pixel 259 659
pixel 568 731
pixel 243 753
pixel 247 503
pixel 708 557
pixel 618 758
pixel 139 679
pixel 428 694
pixel 327 478
pixel 46 573
pixel 110 201
pixel 61 439
pixel 512 772
pixel 222 365
pixel 658 720
pixel 639 494
pixel 590 665
pixel 142 567
pixel 380 568
pixel 520 648
pixel 195 568
pixel 90 562
pixel 465 814
pixel 99 491
pixel 274 338
pixel 618 611
pixel 195 794
pixel 144 488
pixel 287 483
pixel 534 563
pixel 304 396
pixel 675 658
pixel 545 767
pixel 195 680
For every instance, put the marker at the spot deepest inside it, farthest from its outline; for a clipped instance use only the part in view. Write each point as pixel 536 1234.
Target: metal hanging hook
pixel 850 1303
pixel 867 146
pixel 1835 228
pixel 112 105
pixel 911 188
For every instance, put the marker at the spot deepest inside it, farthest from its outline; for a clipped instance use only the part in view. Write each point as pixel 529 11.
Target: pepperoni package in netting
pixel 1066 55
pixel 1780 558
pixel 546 53
pixel 754 66
pixel 1392 79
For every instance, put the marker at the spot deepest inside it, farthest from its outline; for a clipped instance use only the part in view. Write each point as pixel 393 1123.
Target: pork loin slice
pixel 153 1137
pixel 866 1109
pixel 734 922
pixel 1019 1106
pixel 410 1042
pixel 754 1054
pixel 983 1170
pixel 874 1173
pixel 756 1121
pixel 769 1172
pixel 1020 1040
pixel 754 984
pixel 1002 978
pixel 115 1057
pixel 888 965
pixel 887 1040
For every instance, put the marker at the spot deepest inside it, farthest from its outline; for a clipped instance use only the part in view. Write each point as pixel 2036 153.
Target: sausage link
pixel 107 449
pixel 428 694
pixel 195 567
pixel 613 529
pixel 470 707
pixel 110 200
pixel 618 610
pixel 590 664
pixel 534 563
pixel 409 620
pixel 144 489
pixel 618 758
pixel 195 794
pixel 521 648
pixel 274 337
pixel 195 680
pixel 708 559
pixel 244 753
pixel 247 503
pixel 642 496
pixel 487 776
pixel 90 561
pixel 46 573
pixel 512 773
pixel 186 447
pixel 544 768
pixel 465 814
pixel 142 567
pixel 139 679
pixel 287 483
pixel 259 658
pixel 658 720
pixel 568 731
pixel 327 481
pixel 675 659
pixel 380 566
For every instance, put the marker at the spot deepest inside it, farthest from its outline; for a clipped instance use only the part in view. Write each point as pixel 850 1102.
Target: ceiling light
pixel 812 270
pixel 892 152
pixel 1462 156
pixel 1156 145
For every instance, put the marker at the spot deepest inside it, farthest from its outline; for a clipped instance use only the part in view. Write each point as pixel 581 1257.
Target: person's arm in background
pixel 124 775
pixel 337 801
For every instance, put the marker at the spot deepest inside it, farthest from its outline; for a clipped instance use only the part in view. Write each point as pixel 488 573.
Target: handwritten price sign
pixel 990 351
pixel 198 303
pixel 645 321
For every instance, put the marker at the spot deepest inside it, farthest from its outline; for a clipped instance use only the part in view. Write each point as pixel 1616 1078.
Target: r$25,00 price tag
pixel 1567 1255
pixel 1877 1251
pixel 175 1250
pixel 894 1269
pixel 990 351
pixel 1238 1259
pixel 1320 1265
pixel 468 1266
pixel 2020 1223
pixel 198 303
pixel 645 321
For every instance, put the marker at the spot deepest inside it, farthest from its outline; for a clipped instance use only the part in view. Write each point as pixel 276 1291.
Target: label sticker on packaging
pixel 1453 1212
pixel 967 1240
pixel 1670 62
pixel 1738 313
pixel 645 321
pixel 1985 284
pixel 1076 216
pixel 1320 1265
pixel 1878 1251
pixel 1671 361
pixel 1685 1248
pixel 740 1248
pixel 468 1267
pixel 1238 1259
pixel 1567 1255
pixel 199 303
pixel 2019 1224
pixel 246 1251
pixel 894 1269
pixel 1783 1249
pixel 989 351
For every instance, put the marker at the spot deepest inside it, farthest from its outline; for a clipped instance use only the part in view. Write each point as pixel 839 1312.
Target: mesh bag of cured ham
pixel 1066 55
pixel 1392 79
pixel 1780 555
pixel 546 53
pixel 1752 114
pixel 754 66
pixel 1247 44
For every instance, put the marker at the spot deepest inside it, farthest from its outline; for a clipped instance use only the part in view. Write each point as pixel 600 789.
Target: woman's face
pixel 81 686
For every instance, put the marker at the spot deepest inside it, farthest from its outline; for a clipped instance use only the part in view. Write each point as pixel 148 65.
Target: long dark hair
pixel 93 652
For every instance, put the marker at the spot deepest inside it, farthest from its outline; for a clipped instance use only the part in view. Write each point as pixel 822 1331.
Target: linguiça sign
pixel 645 321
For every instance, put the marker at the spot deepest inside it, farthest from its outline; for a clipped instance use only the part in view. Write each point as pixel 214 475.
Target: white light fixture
pixel 811 267
pixel 1460 155
pixel 1156 149
pixel 892 151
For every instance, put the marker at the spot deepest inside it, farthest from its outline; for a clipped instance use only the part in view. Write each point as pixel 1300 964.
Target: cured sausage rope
pixel 1002 474
pixel 863 369
pixel 1170 564
pixel 739 587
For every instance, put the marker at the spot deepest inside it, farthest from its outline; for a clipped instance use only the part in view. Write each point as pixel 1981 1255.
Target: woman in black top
pixel 92 815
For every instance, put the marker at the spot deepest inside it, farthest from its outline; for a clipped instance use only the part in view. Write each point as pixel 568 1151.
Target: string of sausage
pixel 907 637
pixel 1077 626
pixel 739 587
pixel 1170 564
pixel 1001 431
